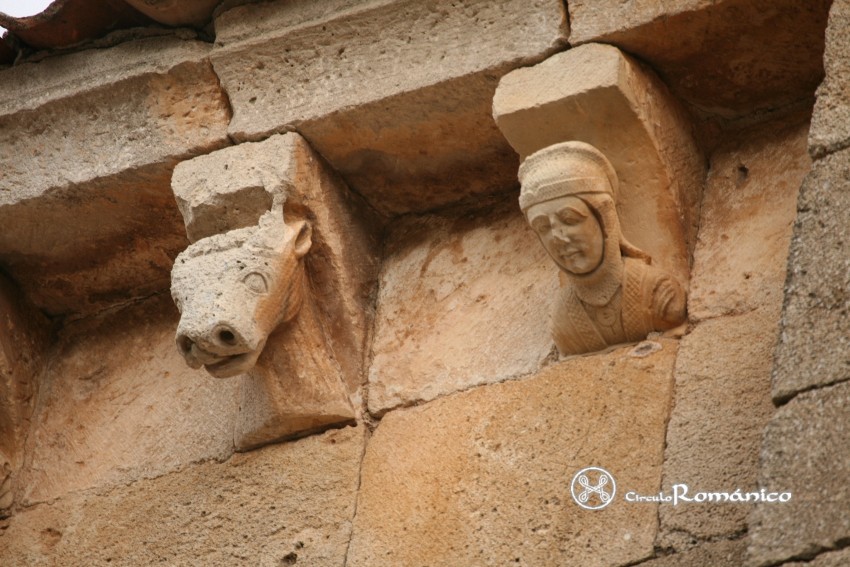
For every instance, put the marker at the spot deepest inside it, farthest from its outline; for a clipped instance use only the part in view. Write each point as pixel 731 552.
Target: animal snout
pixel 184 344
pixel 220 340
pixel 225 336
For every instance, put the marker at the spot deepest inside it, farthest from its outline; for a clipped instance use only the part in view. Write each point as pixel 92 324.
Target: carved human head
pixel 234 289
pixel 565 188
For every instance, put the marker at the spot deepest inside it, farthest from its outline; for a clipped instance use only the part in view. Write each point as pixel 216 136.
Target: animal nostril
pixel 184 343
pixel 227 337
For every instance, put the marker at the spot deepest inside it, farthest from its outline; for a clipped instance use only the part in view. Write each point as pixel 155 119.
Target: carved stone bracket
pixel 277 285
pixel 611 183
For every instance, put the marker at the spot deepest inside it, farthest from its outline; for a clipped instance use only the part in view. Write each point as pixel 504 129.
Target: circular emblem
pixel 593 488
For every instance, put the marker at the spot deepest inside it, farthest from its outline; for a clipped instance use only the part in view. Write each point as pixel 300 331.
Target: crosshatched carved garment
pixel 632 313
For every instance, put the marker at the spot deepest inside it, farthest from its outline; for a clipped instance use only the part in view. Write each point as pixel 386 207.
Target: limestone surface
pixel 831 118
pixel 463 301
pixel 24 340
pixel 722 401
pixel 721 553
pixel 747 219
pixel 709 52
pixel 229 189
pixel 390 92
pixel 830 559
pixel 597 95
pixel 90 140
pixel 591 18
pixel 804 453
pixel 483 477
pixel 118 403
pixel 722 404
pixel 288 504
pixel 815 340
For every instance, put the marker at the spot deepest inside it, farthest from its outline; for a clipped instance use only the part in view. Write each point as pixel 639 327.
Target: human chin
pixel 576 263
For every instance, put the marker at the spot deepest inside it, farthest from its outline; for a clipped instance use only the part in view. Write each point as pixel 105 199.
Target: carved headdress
pixel 561 170
pixel 577 169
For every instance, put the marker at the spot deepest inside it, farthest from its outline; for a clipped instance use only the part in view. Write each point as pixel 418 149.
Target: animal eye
pixel 256 282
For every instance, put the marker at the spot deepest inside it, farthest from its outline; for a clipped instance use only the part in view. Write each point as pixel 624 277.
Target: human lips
pixel 570 253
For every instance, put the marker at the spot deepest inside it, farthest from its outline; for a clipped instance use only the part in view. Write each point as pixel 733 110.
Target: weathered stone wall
pixel 469 427
pixel 804 446
pixel 86 207
pixel 722 401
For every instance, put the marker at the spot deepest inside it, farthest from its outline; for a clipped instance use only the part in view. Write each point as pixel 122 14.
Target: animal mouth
pixel 231 365
pixel 222 366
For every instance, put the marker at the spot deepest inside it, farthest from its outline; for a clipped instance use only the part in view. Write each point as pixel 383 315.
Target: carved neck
pixel 305 318
pixel 299 345
pixel 294 294
pixel 600 287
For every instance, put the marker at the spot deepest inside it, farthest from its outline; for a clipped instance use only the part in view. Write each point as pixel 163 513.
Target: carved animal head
pixel 234 289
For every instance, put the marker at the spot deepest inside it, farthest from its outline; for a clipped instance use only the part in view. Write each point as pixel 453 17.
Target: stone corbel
pixel 277 284
pixel 611 183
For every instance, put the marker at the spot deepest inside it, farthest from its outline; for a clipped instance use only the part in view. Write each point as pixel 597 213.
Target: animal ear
pixel 303 238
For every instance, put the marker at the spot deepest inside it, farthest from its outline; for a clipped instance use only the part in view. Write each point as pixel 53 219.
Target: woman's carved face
pixel 569 232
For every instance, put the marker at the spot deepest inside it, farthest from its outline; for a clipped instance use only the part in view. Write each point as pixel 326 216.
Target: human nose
pixel 560 232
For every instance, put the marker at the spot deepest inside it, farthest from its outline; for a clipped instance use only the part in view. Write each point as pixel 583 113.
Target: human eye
pixel 570 216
